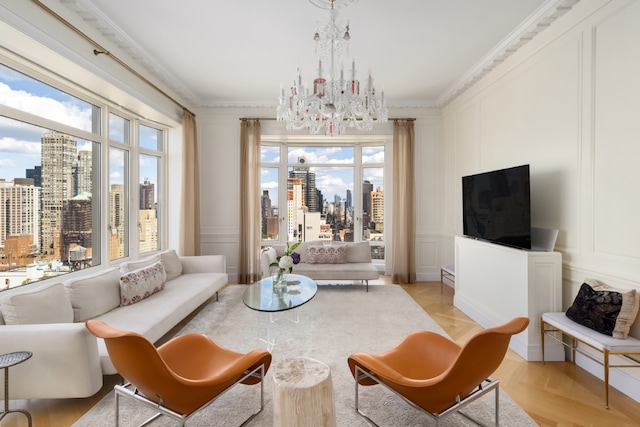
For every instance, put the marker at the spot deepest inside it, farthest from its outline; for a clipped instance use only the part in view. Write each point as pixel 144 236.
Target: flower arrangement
pixel 285 262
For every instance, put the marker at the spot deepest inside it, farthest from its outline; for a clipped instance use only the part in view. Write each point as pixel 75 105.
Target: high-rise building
pixel 77 228
pixel 377 208
pixel 35 174
pixel 147 195
pixel 265 210
pixel 58 158
pixel 117 221
pixel 82 173
pixel 367 188
pixel 19 210
pixel 349 200
pixel 148 230
pixel 295 207
pixel 308 180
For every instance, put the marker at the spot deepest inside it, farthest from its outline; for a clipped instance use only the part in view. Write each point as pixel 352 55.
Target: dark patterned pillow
pixel 597 310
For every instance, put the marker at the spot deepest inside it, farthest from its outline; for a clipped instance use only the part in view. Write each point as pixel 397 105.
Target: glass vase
pixel 280 281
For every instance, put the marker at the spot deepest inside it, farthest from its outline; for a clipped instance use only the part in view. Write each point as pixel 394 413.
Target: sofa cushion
pixel 48 304
pixel 628 310
pixel 320 254
pixel 594 309
pixel 171 263
pixel 94 295
pixel 359 252
pixel 129 266
pixel 142 283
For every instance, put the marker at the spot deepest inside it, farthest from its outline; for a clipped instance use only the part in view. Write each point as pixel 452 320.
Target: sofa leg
pixel 367 282
pixel 216 295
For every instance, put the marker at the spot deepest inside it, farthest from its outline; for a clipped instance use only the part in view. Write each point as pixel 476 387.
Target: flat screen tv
pixel 496 206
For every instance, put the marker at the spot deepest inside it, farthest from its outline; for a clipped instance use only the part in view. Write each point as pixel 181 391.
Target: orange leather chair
pixel 435 374
pixel 183 375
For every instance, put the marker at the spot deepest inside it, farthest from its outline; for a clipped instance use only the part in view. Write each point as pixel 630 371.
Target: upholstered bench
pixel 610 352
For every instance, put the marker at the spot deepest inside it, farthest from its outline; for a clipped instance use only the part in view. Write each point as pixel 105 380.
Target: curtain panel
pixel 403 267
pixel 250 232
pixel 189 243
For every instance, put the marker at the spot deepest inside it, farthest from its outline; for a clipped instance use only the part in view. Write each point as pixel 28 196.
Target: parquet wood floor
pixel 557 394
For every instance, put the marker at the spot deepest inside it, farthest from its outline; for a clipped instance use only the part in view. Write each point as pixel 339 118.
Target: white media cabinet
pixel 496 283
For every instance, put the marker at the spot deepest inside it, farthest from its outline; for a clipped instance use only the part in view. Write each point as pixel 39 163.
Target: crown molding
pixel 534 25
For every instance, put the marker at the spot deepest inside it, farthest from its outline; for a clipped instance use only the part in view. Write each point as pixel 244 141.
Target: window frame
pixel 357 142
pixel 100 189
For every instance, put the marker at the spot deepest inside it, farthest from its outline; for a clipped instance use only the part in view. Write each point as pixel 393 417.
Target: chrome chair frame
pixel 129 390
pixel 485 387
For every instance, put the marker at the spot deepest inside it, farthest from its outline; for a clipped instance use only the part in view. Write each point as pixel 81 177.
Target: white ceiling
pixel 225 53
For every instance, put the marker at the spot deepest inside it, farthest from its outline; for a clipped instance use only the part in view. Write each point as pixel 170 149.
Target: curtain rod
pixel 409 119
pixel 100 50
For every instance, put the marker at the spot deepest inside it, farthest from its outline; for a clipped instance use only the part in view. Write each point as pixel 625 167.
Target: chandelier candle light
pixel 336 102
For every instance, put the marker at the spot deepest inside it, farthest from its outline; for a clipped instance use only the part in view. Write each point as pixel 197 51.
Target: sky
pixel 20 142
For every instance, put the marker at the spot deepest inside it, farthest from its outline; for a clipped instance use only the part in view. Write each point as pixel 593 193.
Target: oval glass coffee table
pixel 261 296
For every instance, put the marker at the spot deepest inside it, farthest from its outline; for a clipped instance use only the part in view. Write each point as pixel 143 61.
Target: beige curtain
pixel 403 268
pixel 249 257
pixel 190 204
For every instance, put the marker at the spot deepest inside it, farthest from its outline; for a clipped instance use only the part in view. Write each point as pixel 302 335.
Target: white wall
pixel 568 104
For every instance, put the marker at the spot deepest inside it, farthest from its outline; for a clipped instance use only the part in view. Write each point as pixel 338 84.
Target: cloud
pixel 71 112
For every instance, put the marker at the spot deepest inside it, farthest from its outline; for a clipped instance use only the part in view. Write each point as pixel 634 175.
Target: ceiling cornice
pixel 534 25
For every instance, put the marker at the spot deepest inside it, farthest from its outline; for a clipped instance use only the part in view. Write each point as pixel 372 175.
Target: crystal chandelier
pixel 335 101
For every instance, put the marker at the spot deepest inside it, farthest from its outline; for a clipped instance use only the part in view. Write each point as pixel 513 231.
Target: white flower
pixel 286 262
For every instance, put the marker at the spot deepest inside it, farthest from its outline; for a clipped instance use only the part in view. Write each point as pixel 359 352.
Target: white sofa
pixel 48 320
pixel 347 261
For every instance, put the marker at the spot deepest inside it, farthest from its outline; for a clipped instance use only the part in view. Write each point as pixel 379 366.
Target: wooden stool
pixel 303 394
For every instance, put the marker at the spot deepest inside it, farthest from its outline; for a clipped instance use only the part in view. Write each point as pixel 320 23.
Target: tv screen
pixel 496 206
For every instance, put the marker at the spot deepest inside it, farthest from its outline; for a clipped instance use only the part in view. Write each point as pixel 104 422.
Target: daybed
pixel 149 296
pixel 327 261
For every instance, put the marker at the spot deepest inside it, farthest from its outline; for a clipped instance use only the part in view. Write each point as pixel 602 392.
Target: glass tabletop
pixel 261 296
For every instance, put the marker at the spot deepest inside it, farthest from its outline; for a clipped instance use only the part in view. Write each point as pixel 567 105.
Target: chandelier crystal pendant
pixel 335 102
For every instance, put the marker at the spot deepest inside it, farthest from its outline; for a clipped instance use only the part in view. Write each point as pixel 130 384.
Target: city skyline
pixel 333 166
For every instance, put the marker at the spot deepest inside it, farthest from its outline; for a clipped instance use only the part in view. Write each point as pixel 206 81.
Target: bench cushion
pixel 599 341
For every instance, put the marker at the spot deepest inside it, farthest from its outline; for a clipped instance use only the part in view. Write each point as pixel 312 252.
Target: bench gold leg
pixel 606 379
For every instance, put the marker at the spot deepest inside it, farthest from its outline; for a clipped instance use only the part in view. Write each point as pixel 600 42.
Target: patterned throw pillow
pixel 596 310
pixel 140 284
pixel 628 311
pixel 319 254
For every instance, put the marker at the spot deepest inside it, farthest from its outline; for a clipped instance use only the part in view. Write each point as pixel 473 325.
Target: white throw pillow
pixel 44 305
pixel 359 252
pixel 320 254
pixel 172 264
pixel 128 266
pixel 94 295
pixel 140 284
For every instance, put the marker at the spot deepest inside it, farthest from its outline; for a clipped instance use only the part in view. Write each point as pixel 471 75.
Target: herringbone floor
pixel 556 394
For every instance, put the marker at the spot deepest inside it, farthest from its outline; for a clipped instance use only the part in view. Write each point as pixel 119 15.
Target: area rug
pixel 338 321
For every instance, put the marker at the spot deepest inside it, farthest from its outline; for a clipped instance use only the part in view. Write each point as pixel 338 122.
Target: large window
pixel 320 192
pixel 70 168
